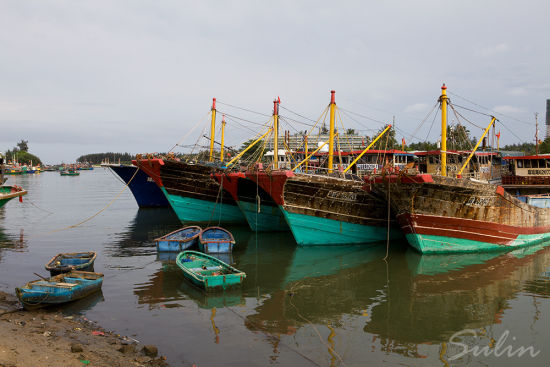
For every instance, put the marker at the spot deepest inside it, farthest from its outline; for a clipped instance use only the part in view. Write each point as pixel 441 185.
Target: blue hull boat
pixel 59 289
pixel 145 190
pixel 216 240
pixel 64 263
pixel 179 240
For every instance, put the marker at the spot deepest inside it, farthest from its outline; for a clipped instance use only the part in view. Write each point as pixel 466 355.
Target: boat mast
pixel 276 133
pixel 305 149
pixel 443 100
pixel 223 135
pixel 331 132
pixel 212 130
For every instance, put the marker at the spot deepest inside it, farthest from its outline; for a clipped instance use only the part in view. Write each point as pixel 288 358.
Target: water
pixel 336 306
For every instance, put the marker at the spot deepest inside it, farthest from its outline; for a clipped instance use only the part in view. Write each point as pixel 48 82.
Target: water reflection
pixel 440 299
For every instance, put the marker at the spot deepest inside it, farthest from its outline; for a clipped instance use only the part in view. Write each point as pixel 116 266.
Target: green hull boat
pixel 9 192
pixel 208 272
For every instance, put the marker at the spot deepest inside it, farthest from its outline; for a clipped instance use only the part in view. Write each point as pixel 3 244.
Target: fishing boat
pixel 216 240
pixel 70 172
pixel 59 289
pixel 66 262
pixel 193 193
pixel 145 190
pixel 9 192
pixel 442 214
pixel 208 272
pixel 528 178
pixel 328 208
pixel 179 240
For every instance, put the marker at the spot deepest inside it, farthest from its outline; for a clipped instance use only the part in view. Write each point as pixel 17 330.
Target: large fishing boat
pixel 441 214
pixel 145 190
pixel 320 209
pixel 528 178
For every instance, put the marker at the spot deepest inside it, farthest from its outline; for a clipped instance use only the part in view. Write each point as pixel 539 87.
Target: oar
pixel 41 277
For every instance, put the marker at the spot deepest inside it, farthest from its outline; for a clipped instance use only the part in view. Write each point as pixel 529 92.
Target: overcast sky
pixel 81 77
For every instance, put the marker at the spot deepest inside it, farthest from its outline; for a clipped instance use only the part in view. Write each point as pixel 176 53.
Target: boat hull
pixel 10 192
pixel 145 190
pixel 64 263
pixel 448 215
pixel 314 231
pixel 268 218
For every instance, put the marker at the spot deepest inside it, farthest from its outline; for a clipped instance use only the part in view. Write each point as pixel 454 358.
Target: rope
pixel 190 131
pixel 96 214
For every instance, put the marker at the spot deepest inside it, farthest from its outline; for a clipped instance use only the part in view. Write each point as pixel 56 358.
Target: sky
pixel 80 77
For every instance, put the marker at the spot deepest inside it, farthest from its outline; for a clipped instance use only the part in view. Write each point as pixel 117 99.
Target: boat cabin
pixel 482 166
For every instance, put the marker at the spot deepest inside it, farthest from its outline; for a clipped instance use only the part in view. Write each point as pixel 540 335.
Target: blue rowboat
pixel 216 240
pixel 179 240
pixel 208 272
pixel 59 289
pixel 64 263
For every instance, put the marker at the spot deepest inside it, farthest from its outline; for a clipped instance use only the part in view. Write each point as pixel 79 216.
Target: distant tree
pixel 422 145
pixel 387 141
pixel 458 138
pixel 324 129
pixel 527 148
pixel 350 132
pixel 23 145
pixel 22 157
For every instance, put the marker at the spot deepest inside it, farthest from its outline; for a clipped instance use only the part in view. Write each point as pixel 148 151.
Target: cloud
pixel 417 107
pixel 517 91
pixel 507 110
pixel 494 50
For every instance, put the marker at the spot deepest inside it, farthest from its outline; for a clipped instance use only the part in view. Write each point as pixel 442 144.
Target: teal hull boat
pixel 207 272
pixel 64 263
pixel 59 289
pixel 190 209
pixel 309 230
pixel 268 219
pixel 216 240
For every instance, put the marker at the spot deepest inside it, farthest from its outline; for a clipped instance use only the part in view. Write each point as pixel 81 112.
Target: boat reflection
pixel 82 305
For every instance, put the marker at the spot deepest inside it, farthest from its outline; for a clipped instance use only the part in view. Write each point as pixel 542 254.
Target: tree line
pixel 20 153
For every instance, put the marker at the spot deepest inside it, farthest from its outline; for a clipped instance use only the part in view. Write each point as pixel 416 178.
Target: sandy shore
pixel 47 338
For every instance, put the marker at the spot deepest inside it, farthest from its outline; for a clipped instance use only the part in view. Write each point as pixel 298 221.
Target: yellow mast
pixel 223 136
pixel 212 129
pixel 276 133
pixel 367 148
pixel 331 132
pixel 443 100
pixel 305 150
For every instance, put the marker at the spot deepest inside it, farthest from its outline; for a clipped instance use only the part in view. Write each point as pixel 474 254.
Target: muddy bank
pixel 47 338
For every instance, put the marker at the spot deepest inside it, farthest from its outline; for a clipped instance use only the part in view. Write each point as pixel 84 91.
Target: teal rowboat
pixel 9 192
pixel 69 173
pixel 207 272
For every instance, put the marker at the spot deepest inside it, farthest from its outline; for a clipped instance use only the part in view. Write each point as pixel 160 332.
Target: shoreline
pixel 46 337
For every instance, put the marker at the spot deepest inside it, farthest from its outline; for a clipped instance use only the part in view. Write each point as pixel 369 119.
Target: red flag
pixel 498 135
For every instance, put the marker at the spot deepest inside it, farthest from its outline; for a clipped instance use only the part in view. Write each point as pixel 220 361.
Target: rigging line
pixel 298 122
pixel 506 127
pixel 431 126
pixel 488 109
pixel 424 120
pixel 244 109
pixel 469 109
pixel 190 131
pixel 459 114
pixel 243 119
pixel 357 121
pixel 344 130
pixel 366 117
pixel 297 114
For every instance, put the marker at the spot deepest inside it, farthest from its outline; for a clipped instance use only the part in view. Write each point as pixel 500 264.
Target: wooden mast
pixel 212 130
pixel 331 132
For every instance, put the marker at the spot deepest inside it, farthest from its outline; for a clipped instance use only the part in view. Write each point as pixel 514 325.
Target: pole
pixel 212 131
pixel 537 133
pixel 223 136
pixel 331 132
pixel 443 100
pixel 305 149
pixel 477 145
pixel 276 134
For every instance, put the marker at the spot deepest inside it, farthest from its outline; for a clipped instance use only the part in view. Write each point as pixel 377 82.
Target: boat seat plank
pixel 66 284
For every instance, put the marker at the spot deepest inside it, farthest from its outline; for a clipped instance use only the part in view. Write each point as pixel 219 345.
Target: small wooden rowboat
pixel 179 240
pixel 59 289
pixel 208 272
pixel 216 240
pixel 63 263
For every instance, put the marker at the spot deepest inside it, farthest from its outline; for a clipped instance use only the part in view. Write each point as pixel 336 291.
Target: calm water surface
pixel 335 306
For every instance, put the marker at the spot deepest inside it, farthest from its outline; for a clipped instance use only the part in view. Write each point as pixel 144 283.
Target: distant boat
pixel 145 190
pixel 70 172
pixel 64 263
pixel 179 240
pixel 9 192
pixel 208 272
pixel 59 289
pixel 216 240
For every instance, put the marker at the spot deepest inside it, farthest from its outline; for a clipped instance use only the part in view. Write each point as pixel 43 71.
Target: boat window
pixel 527 163
pixel 542 163
pixel 547 163
pixel 519 163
